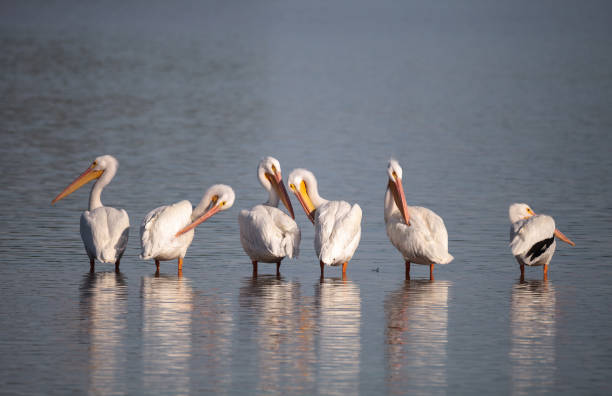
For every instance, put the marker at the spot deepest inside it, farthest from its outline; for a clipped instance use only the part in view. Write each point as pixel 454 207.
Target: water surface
pixel 482 104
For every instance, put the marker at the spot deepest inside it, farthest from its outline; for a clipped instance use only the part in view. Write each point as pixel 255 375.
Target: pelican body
pixel 532 237
pixel 267 234
pixel 104 229
pixel 166 232
pixel 337 223
pixel 418 233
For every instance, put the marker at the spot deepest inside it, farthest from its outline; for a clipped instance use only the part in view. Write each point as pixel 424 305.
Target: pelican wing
pixel 105 232
pixel 267 233
pixel 424 241
pixel 525 233
pixel 437 236
pixel 337 231
pixel 159 227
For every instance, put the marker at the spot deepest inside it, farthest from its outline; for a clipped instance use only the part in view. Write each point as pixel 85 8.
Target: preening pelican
pixel 104 230
pixel 166 232
pixel 532 237
pixel 267 234
pixel 337 223
pixel 418 233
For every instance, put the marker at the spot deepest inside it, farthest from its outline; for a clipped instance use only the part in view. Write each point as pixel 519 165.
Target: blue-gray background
pixel 484 103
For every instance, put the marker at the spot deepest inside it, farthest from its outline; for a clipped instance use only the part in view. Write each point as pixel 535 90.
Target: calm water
pixel 483 104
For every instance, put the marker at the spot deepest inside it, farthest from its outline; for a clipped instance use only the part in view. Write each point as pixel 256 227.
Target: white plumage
pixel 267 234
pixel 532 237
pixel 418 233
pixel 337 223
pixel 167 231
pixel 158 229
pixel 337 231
pixel 104 230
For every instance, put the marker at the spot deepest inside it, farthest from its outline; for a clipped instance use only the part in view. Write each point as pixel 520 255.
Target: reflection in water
pixel 338 303
pixel 212 327
pixel 284 334
pixel 417 336
pixel 532 320
pixel 166 334
pixel 104 303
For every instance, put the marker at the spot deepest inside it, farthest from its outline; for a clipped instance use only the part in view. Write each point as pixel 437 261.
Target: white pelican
pixel 104 230
pixel 166 232
pixel 532 237
pixel 337 223
pixel 267 234
pixel 418 233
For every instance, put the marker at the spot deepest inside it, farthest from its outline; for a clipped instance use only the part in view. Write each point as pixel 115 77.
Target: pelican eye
pixel 273 168
pixel 222 203
pixel 292 186
pixel 94 163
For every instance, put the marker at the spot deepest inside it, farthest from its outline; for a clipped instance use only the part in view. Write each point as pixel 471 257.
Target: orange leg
pixel 407 270
pixel 254 269
pixel 117 266
pixel 431 267
pixel 180 266
pixel 344 267
pixel 157 267
pixel 92 265
pixel 278 268
pixel 545 272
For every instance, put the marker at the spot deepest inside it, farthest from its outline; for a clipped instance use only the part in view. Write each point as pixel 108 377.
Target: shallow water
pixel 482 105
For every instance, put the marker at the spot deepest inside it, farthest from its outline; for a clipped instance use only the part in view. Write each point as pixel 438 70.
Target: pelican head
pixel 104 165
pixel 520 211
pixel 304 185
pixel 269 174
pixel 217 198
pixel 394 171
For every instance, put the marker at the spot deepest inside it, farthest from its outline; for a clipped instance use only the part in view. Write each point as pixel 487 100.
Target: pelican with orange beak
pixel 532 237
pixel 267 234
pixel 418 233
pixel 166 232
pixel 104 229
pixel 337 223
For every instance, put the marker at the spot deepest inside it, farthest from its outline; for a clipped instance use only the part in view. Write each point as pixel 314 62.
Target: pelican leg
pixel 278 268
pixel 522 272
pixel 92 265
pixel 117 266
pixel 431 268
pixel 254 269
pixel 545 272
pixel 157 267
pixel 344 268
pixel 322 269
pixel 407 270
pixel 180 266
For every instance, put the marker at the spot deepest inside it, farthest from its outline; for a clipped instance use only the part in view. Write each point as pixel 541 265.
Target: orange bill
pixel 307 205
pixel 279 186
pixel 400 199
pixel 207 215
pixel 562 237
pixel 79 182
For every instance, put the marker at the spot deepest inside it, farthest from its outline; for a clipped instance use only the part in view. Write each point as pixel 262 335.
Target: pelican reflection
pixel 281 322
pixel 212 327
pixel 532 320
pixel 166 333
pixel 417 336
pixel 104 305
pixel 338 305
